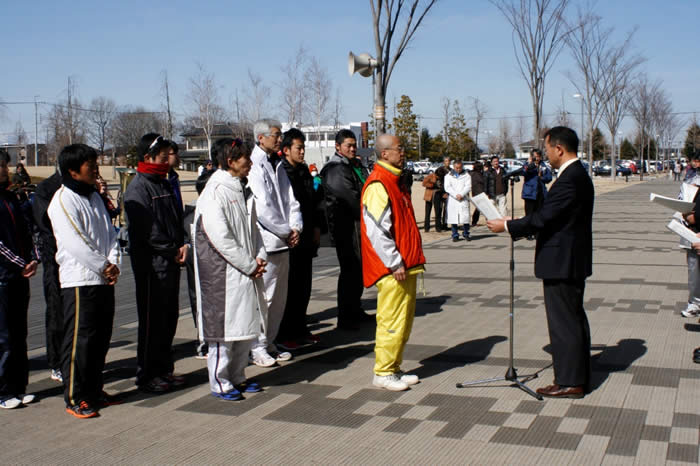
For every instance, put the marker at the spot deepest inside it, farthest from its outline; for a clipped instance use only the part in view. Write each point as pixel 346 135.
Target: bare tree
pixel 665 123
pixel 293 88
pixel 203 102
pixel 642 94
pixel 618 79
pixel 129 124
pixel 165 92
pixel 587 42
pixel 538 30
pixel 446 107
pixel 257 95
pixel 20 134
pixel 386 16
pixel 318 95
pixel 99 119
pixel 480 111
pixel 337 109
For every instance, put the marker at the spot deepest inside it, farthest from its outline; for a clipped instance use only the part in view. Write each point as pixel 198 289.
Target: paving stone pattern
pixel 320 408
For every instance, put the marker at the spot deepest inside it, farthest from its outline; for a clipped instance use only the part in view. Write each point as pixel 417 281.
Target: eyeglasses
pixel 398 149
pixel 275 135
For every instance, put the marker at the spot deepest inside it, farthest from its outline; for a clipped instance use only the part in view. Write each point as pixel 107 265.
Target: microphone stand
pixel 511 372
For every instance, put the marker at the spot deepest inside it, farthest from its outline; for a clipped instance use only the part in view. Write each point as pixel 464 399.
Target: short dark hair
pixel 72 157
pixel 226 149
pixel 151 144
pixel 174 147
pixel 563 136
pixel 290 136
pixel 536 152
pixel 478 166
pixel 344 134
pixel 494 157
pixel 4 156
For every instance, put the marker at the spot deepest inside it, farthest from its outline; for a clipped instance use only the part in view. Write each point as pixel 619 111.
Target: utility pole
pixel 167 103
pixel 36 132
pixel 420 137
pixel 70 114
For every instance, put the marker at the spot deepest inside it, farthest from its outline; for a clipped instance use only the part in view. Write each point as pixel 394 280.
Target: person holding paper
pixel 563 261
pixel 692 309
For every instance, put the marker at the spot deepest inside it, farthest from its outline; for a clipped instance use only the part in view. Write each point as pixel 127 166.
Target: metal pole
pixel 36 132
pixel 583 128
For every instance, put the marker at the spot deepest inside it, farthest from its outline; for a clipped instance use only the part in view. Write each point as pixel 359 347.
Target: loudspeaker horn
pixel 362 63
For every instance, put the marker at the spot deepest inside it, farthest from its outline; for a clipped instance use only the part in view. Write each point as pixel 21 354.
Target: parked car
pixel 604 169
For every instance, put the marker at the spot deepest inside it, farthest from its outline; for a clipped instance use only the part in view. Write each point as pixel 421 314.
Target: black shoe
pixel 105 399
pixel 468 238
pixel 82 410
pixel 455 239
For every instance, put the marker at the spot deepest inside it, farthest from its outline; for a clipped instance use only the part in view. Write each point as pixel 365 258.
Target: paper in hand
pixel 674 204
pixel 683 231
pixel 486 207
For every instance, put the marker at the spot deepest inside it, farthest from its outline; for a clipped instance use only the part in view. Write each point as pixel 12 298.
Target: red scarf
pixel 160 169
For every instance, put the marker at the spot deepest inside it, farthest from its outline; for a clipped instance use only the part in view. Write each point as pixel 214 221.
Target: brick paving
pixel 320 408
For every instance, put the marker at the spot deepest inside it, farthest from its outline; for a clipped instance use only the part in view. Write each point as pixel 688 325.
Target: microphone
pixel 515 173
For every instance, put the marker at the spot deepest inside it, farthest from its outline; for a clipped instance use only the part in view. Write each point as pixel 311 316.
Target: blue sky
pixel 119 49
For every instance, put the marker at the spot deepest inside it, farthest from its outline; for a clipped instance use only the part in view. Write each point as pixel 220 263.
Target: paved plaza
pixel 320 408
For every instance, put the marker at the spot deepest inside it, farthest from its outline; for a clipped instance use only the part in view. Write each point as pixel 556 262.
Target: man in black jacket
pixel 563 260
pixel 440 196
pixel 496 185
pixel 52 287
pixel 343 177
pixel 157 250
pixel 293 332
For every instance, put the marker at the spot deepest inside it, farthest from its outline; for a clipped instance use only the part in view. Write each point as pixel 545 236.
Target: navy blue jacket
pixel 532 181
pixel 16 245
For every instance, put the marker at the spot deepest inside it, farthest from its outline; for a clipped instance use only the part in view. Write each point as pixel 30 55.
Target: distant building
pixel 320 140
pixel 195 148
pixel 25 153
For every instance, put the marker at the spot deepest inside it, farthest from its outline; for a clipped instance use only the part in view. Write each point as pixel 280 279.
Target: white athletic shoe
pixel 27 398
pixel 281 356
pixel 10 403
pixel 261 358
pixel 391 382
pixel 408 379
pixel 690 311
pixel 56 375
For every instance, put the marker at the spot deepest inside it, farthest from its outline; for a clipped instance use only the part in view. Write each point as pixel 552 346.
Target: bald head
pixel 390 150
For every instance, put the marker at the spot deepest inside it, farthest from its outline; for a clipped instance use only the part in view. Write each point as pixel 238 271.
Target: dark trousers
pixel 475 217
pixel 14 366
pixel 191 284
pixel 569 332
pixel 533 205
pixel 440 211
pixel 54 313
pixel 88 315
pixel 428 209
pixel 350 285
pixel 157 292
pixel 455 230
pixel 293 326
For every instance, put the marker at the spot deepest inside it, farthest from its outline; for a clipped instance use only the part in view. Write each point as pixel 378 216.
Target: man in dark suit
pixel 563 260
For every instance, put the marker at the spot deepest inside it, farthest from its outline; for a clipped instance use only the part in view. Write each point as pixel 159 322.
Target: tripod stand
pixel 511 372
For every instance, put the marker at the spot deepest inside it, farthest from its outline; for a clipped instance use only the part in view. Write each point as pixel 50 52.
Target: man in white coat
pixel 229 264
pixel 458 186
pixel 280 222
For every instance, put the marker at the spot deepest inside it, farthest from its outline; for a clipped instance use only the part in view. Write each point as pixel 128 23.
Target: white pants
pixel 276 280
pixel 501 202
pixel 226 363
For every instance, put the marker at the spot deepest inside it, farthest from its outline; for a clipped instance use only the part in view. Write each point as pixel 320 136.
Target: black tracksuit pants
pixel 157 293
pixel 293 326
pixel 54 313
pixel 88 316
pixel 350 285
pixel 14 366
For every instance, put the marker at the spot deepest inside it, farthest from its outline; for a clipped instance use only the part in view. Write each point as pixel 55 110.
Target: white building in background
pixel 320 140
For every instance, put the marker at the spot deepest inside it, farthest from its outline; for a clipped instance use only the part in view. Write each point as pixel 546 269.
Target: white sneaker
pixel 408 379
pixel 391 382
pixel 10 403
pixel 690 311
pixel 56 375
pixel 281 356
pixel 27 398
pixel 261 358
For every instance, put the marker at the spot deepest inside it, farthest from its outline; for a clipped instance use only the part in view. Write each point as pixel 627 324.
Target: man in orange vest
pixel 392 257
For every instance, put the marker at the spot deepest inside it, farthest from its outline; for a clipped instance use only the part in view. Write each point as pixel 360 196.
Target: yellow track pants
pixel 396 306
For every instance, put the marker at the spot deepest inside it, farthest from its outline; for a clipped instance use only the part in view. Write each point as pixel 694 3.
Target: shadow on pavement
pixel 468 352
pixel 615 359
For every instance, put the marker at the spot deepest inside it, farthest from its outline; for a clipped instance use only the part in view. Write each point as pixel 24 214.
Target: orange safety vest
pixel 404 229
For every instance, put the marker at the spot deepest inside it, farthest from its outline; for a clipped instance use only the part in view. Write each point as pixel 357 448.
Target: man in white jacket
pixel 229 261
pixel 87 257
pixel 280 222
pixel 458 186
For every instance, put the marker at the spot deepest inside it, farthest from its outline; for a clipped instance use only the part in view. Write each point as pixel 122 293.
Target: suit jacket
pixel 563 226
